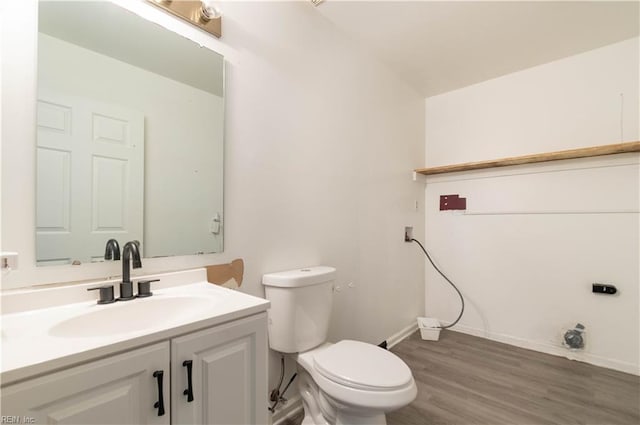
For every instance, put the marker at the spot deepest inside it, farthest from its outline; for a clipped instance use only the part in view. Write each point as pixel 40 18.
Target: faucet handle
pixel 106 294
pixel 144 288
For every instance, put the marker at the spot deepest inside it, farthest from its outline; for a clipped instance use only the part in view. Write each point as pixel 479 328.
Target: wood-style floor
pixel 464 379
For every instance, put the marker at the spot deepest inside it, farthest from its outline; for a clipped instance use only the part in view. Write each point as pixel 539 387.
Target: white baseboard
pixel 551 349
pixel 404 333
pixel 292 408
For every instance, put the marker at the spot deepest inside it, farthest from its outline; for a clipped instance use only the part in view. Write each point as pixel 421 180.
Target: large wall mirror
pixel 129 136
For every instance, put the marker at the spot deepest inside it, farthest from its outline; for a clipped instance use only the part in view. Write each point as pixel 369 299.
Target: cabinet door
pixel 117 390
pixel 229 374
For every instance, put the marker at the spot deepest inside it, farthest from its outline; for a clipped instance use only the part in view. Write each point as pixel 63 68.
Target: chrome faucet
pixel 112 250
pixel 129 252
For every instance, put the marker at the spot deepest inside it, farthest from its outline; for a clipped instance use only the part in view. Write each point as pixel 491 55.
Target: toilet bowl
pixel 346 383
pixel 353 382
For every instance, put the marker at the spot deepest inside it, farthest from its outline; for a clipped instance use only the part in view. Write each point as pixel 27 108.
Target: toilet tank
pixel 300 310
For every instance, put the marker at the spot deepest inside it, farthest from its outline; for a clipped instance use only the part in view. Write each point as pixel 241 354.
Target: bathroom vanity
pixel 191 353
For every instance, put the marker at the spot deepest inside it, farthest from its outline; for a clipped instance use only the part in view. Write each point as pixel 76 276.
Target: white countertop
pixel 59 335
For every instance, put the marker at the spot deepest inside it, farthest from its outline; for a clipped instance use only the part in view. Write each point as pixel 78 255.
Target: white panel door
pixel 117 390
pixel 229 374
pixel 90 178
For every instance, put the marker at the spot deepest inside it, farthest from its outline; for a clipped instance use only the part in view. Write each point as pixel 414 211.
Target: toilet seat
pixel 363 389
pixel 362 366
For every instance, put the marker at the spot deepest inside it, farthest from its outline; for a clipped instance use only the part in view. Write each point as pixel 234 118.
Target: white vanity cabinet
pixel 228 374
pixel 120 389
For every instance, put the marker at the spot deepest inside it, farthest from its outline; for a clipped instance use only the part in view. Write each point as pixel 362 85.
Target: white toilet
pixel 346 383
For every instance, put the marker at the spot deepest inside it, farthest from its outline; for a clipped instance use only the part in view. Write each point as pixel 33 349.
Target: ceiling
pixel 439 46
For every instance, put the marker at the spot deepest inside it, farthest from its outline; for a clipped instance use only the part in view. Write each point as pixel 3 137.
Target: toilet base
pixel 318 410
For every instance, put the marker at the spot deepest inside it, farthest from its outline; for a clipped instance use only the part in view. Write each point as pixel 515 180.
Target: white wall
pixel 175 220
pixel 320 141
pixel 535 237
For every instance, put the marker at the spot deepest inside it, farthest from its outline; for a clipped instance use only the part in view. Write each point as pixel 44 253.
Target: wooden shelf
pixel 530 159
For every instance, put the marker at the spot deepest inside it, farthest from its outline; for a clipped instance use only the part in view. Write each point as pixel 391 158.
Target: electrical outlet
pixel 9 261
pixel 408 233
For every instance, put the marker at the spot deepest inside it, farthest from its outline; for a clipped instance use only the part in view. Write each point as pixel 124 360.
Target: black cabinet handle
pixel 160 403
pixel 189 391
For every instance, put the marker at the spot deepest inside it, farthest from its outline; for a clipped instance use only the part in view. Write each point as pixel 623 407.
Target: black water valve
pixel 144 288
pixel 601 288
pixel 106 294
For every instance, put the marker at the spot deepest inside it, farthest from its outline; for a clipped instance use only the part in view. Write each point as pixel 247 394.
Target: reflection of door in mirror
pixel 90 177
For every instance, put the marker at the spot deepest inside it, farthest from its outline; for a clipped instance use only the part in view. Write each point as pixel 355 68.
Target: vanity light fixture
pixel 203 14
pixel 316 2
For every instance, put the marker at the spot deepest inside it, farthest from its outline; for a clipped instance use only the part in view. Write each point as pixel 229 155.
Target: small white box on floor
pixel 429 328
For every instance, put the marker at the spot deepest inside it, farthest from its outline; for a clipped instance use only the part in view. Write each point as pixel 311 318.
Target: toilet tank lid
pixel 300 277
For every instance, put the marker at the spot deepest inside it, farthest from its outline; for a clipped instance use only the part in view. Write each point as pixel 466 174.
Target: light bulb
pixel 208 11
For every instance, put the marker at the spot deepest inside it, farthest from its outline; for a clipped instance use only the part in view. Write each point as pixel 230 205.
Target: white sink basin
pixel 132 316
